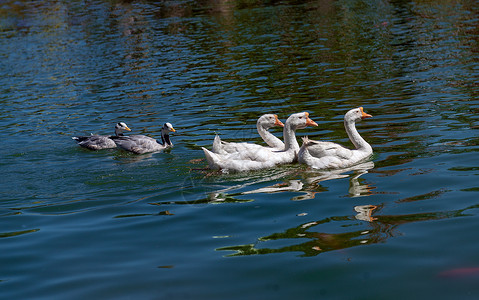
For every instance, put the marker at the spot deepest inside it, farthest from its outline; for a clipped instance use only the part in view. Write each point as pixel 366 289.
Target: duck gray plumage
pixel 140 144
pixel 98 142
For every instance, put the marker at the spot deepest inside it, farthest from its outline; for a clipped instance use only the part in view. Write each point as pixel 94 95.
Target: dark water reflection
pixel 75 67
pixel 381 228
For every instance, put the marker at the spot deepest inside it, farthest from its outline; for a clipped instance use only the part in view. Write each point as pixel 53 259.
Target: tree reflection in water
pixel 380 229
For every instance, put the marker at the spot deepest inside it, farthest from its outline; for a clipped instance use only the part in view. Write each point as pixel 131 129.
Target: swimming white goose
pixel 261 158
pixel 98 142
pixel 328 155
pixel 140 144
pixel 264 123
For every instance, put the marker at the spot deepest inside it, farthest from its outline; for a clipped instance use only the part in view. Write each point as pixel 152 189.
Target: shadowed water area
pixel 81 224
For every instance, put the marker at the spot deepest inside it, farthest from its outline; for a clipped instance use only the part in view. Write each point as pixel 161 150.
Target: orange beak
pixel 363 114
pixel 278 122
pixel 309 122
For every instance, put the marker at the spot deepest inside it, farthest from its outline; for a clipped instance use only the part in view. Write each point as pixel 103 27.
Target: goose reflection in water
pixel 289 186
pixel 365 212
pixel 221 194
pixel 308 187
pixel 356 188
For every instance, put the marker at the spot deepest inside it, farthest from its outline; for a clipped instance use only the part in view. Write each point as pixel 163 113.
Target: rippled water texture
pixel 79 224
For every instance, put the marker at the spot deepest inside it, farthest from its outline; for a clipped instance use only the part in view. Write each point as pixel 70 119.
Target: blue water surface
pixel 80 224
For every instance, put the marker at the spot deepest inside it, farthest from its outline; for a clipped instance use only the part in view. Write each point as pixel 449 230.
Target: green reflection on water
pixel 379 228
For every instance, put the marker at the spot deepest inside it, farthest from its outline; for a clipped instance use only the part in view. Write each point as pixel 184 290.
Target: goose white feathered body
pixel 264 123
pixel 99 142
pixel 328 155
pixel 140 144
pixel 263 157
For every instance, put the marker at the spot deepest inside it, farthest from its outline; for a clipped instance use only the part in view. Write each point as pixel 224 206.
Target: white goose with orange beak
pixel 328 155
pixel 264 123
pixel 262 158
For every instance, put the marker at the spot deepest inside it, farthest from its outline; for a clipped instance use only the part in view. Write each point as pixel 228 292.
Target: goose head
pixel 165 133
pixel 355 115
pixel 120 127
pixel 269 120
pixel 300 121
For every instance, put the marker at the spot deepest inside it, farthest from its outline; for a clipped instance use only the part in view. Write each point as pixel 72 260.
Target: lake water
pixel 79 224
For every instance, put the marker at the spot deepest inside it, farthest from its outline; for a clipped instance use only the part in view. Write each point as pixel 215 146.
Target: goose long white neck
pixel 354 136
pixel 290 142
pixel 268 137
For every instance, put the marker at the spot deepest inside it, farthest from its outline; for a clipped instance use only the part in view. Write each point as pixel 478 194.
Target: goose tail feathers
pixel 216 144
pixel 307 142
pixel 212 159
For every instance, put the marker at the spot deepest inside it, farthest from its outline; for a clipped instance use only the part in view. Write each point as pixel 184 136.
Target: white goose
pixel 264 123
pixel 328 155
pixel 140 144
pixel 98 142
pixel 261 158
